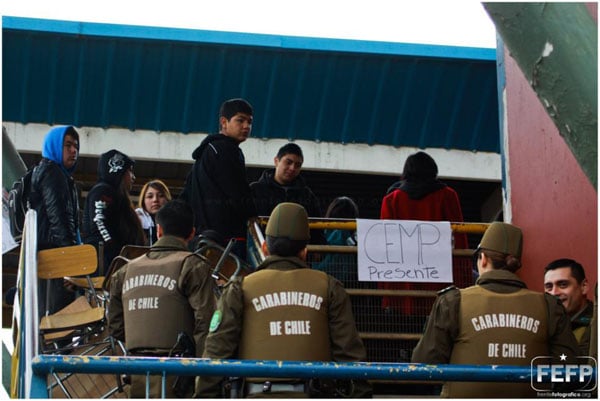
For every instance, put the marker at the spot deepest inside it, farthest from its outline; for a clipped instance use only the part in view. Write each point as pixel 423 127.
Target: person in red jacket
pixel 419 195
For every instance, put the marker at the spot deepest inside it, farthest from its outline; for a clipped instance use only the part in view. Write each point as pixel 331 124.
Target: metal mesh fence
pixel 390 330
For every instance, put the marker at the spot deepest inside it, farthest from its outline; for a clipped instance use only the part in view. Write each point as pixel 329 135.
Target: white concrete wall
pixel 326 156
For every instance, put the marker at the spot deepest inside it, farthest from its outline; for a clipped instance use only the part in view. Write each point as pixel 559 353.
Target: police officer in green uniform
pixel 565 279
pixel 498 321
pixel 158 296
pixel 284 311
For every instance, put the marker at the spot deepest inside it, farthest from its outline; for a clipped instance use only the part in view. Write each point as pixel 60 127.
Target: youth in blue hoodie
pixel 55 199
pixel 54 194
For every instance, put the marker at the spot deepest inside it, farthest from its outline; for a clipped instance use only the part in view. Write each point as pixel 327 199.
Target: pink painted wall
pixel 551 198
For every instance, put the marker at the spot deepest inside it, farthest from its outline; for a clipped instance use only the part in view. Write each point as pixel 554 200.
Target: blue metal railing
pixel 46 364
pixel 43 365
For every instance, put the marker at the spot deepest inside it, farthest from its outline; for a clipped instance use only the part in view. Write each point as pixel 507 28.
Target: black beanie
pixel 112 165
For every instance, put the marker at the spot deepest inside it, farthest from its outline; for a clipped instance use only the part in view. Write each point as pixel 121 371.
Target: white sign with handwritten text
pixel 404 250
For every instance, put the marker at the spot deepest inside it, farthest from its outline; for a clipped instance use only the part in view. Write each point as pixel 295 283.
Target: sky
pixel 452 23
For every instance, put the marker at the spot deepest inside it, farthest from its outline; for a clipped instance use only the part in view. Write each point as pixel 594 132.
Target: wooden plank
pixel 77 260
pixel 72 320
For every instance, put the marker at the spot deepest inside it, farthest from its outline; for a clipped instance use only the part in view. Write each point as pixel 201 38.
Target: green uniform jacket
pixel 581 324
pixel 224 337
pixel 195 282
pixel 435 347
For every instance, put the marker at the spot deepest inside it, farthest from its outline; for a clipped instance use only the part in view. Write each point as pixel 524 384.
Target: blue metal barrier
pixel 43 365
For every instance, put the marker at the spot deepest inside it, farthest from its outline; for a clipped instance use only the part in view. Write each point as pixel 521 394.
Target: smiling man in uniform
pixel 565 279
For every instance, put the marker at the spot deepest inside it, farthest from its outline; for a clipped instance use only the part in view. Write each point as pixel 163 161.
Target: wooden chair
pixel 226 266
pixel 118 262
pixel 90 385
pixel 96 287
pixel 133 251
pixel 101 283
pixel 128 253
pixel 80 319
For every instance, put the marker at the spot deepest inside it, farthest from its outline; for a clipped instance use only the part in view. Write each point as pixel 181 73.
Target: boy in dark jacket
pixel 284 184
pixel 216 187
pixel 54 198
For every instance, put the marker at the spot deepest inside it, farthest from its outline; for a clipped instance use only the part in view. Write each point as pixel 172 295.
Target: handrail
pixel 389 336
pixel 44 364
pixel 353 249
pixel 392 293
pixel 332 248
pixel 318 223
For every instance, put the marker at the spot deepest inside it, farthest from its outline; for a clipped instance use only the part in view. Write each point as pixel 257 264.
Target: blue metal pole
pixel 39 387
pixel 44 364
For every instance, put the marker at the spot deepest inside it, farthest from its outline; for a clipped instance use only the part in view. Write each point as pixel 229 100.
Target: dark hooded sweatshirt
pixel 217 188
pixel 109 216
pixel 268 193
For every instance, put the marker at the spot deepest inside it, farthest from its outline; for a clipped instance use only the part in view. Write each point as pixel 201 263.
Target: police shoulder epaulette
pixel 445 290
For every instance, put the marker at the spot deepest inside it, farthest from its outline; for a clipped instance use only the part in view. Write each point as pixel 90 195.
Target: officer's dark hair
pixel 176 218
pixel 231 107
pixel 501 260
pixel 290 148
pixel 420 167
pixel 576 269
pixel 283 246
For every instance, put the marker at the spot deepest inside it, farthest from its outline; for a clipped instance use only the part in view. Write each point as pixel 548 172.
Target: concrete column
pixel 556 48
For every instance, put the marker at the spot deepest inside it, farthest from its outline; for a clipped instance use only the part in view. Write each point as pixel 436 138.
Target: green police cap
pixel 289 220
pixel 504 238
